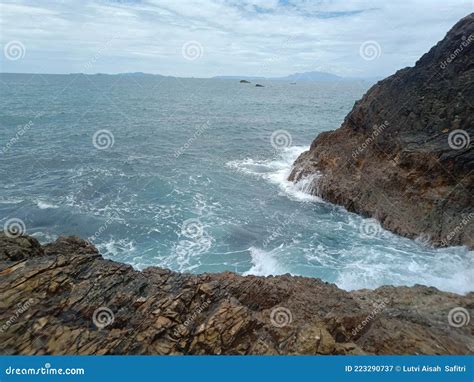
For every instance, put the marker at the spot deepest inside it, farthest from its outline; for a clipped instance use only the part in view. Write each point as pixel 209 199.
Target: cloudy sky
pixel 221 37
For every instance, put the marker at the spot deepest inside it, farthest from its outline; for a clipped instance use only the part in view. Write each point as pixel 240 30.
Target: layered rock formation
pixel 64 298
pixel 404 154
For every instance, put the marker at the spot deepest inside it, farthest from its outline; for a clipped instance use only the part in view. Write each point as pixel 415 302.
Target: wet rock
pixel 16 249
pixel 403 155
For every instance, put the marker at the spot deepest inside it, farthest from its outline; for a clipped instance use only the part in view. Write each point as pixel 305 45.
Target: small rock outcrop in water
pixel 64 298
pixel 404 153
pixel 259 86
pixel 244 82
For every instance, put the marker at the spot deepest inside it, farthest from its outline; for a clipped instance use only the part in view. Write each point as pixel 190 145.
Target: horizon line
pixel 219 76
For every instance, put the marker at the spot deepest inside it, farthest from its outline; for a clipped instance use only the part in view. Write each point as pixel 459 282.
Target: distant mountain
pixel 307 76
pixel 248 78
pixel 310 76
pixel 296 77
pixel 139 74
pixel 126 74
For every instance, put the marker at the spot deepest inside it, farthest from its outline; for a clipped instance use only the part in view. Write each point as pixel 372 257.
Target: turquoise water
pixel 192 181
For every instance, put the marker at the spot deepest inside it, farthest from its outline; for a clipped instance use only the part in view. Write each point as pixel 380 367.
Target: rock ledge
pixel 64 298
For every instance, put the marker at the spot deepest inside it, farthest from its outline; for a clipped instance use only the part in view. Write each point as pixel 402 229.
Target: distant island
pixel 293 78
pixel 306 76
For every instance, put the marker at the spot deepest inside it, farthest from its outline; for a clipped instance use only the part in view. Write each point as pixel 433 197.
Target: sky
pixel 191 38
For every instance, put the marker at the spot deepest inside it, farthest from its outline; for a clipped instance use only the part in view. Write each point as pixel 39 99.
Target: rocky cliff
pixel 403 154
pixel 64 298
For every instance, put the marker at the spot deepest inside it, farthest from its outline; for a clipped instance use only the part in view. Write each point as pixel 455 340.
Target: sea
pixel 191 175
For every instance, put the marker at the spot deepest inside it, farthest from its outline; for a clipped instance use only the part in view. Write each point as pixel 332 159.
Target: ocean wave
pixel 44 237
pixel 187 253
pixel 265 263
pixel 450 269
pixel 114 248
pixel 42 205
pixel 277 170
pixel 11 201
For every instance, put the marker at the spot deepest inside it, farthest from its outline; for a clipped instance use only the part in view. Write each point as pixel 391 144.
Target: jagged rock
pixel 64 298
pixel 404 153
pixel 20 248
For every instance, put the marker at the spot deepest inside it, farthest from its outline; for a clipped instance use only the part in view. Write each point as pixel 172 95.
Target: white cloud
pixel 259 37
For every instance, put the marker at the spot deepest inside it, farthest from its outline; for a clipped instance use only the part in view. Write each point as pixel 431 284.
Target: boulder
pixel 403 155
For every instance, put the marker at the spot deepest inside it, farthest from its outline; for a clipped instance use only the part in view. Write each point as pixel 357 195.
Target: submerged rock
pixel 404 153
pixel 244 82
pixel 259 86
pixel 64 298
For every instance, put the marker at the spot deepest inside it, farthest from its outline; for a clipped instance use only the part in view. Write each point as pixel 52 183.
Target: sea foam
pixel 277 170
pixel 264 263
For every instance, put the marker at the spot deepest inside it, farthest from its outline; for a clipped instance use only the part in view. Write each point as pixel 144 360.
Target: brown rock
pixel 92 309
pixel 391 159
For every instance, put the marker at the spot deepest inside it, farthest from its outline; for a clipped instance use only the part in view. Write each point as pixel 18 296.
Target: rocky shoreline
pixel 64 298
pixel 403 155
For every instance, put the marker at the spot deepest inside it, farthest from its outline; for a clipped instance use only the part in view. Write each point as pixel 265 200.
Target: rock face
pixel 403 155
pixel 64 298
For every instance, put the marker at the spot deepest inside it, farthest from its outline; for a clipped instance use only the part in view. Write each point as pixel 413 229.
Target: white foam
pixel 264 263
pixel 277 170
pixel 116 248
pixel 449 270
pixel 187 253
pixel 44 237
pixel 11 201
pixel 42 205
